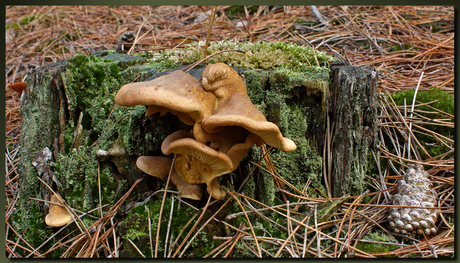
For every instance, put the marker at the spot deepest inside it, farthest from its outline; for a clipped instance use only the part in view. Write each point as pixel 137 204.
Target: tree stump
pixel 353 119
pixel 69 108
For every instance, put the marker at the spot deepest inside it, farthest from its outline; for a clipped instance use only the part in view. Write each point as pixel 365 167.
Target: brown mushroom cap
pixel 178 92
pixel 234 108
pixel 159 167
pixel 57 216
pixel 195 161
pixel 156 166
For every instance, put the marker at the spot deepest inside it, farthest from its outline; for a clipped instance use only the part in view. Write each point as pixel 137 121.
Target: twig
pixel 208 33
pixel 169 225
pixel 149 221
pixel 135 247
pixel 199 230
pixel 309 227
pixel 293 232
pixel 318 233
pixel 157 241
pixel 319 16
pixel 250 225
pixel 412 110
pixel 221 247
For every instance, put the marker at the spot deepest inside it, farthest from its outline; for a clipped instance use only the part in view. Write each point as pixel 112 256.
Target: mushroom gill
pixel 196 162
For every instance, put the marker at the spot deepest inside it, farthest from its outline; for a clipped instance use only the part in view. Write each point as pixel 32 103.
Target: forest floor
pixel 412 47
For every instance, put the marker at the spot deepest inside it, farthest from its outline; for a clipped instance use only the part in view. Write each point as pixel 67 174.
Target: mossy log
pixel 69 108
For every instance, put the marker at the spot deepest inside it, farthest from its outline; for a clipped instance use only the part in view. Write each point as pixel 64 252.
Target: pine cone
pixel 414 190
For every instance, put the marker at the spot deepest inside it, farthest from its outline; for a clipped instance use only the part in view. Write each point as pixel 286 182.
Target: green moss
pixel 91 84
pixel 282 97
pixel 377 247
pixel 296 167
pixel 34 231
pixel 77 174
pixel 443 101
pixel 257 55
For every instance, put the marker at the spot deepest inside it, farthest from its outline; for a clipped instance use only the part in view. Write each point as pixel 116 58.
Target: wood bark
pixel 352 113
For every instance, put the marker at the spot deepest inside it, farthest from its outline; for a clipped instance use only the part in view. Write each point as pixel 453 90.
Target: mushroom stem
pixel 217 191
pixel 186 190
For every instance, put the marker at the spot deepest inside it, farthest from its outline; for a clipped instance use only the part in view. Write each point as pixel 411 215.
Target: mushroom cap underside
pixel 268 131
pixel 221 140
pixel 189 118
pixel 186 189
pixel 182 142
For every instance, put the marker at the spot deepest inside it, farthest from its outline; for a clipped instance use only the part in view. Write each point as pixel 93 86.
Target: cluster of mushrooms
pixel 225 124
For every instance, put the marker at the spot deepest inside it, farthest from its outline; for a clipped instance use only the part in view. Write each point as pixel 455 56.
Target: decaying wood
pixel 352 112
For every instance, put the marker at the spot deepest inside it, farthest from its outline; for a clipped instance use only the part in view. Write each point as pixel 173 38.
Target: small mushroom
pixel 177 92
pixel 234 108
pixel 196 162
pixel 159 167
pixel 58 215
pixel 154 165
